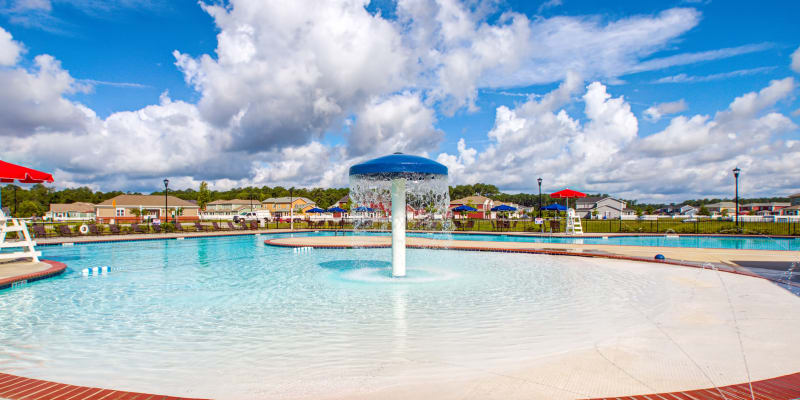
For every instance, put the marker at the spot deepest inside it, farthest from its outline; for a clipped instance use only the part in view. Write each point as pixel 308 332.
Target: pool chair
pixel 217 227
pixel 555 226
pixel 243 225
pixel 156 228
pixel 470 224
pixel 95 230
pixel 178 227
pixel 114 228
pixel 40 231
pixel 65 231
pixel 254 225
pixel 230 226
pixel 200 227
pixel 137 229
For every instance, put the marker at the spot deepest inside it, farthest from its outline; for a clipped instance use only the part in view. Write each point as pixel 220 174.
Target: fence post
pixel 695 226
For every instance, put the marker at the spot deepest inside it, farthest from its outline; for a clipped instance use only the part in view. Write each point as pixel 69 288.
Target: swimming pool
pixel 232 318
pixel 714 242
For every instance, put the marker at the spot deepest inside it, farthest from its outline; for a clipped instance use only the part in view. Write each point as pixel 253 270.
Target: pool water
pixel 233 318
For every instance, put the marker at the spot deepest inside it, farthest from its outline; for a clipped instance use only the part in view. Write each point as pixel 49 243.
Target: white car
pixel 260 215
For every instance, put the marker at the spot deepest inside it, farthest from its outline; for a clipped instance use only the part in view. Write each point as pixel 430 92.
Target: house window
pixel 120 212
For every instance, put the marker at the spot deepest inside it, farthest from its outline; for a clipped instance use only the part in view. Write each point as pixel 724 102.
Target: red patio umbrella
pixel 10 173
pixel 567 194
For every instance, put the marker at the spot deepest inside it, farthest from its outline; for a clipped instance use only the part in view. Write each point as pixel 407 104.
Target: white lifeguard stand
pixel 25 245
pixel 574 226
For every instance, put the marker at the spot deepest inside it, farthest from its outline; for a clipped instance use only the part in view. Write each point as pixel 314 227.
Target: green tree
pixel 703 211
pixel 203 195
pixel 28 208
pixel 137 213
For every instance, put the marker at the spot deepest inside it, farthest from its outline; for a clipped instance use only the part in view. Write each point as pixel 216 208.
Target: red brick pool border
pixel 18 388
pixel 56 268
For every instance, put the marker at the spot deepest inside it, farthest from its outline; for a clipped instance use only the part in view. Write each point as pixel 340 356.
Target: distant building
pixel 226 209
pixel 763 208
pixel 120 208
pixel 482 203
pixel 71 212
pixel 602 208
pixel 343 201
pixel 279 206
pixel 723 207
pixel 795 199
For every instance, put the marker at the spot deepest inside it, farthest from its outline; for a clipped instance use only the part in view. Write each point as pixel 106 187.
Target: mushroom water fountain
pixel 402 180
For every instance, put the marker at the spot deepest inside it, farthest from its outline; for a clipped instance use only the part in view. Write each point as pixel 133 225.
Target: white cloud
pixel 684 78
pixel 400 123
pixel 691 58
pixel 691 157
pixel 657 111
pixel 549 4
pixel 9 49
pixel 796 60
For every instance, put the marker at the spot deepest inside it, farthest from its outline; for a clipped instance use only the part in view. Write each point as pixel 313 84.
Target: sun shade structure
pixel 504 207
pixel 16 173
pixel 336 210
pixel 464 207
pixel 412 176
pixel 554 207
pixel 316 210
pixel 363 209
pixel 567 194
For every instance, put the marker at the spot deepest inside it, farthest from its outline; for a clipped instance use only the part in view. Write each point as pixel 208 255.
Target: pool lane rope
pixel 94 271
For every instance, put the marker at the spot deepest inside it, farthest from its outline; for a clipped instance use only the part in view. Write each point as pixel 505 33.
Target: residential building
pixel 723 207
pixel 342 203
pixel 71 212
pixel 279 206
pixel 593 207
pixel 791 210
pixel 795 199
pixel 226 209
pixel 120 208
pixel 763 208
pixel 482 203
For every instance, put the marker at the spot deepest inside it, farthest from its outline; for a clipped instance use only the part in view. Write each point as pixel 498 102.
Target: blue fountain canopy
pixel 399 163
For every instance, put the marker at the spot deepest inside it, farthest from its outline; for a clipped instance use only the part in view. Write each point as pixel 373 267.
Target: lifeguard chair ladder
pixel 574 226
pixel 26 245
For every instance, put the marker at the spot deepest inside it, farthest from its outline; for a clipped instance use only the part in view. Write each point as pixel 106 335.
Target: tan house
pixel 482 203
pixel 77 211
pixel 226 209
pixel 279 206
pixel 120 209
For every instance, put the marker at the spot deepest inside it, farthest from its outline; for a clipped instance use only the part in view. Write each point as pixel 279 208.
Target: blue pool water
pixel 713 242
pixel 233 318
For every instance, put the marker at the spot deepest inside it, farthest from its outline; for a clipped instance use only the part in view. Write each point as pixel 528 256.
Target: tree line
pixel 36 199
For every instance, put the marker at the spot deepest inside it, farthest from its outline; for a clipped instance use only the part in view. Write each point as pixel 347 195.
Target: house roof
pixel 72 207
pixel 773 204
pixel 796 207
pixel 344 199
pixel 136 200
pixel 725 204
pixel 792 196
pixel 280 200
pixel 476 199
pixel 590 199
pixel 234 201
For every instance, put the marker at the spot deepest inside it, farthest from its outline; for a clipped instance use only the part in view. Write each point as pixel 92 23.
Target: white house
pixel 602 208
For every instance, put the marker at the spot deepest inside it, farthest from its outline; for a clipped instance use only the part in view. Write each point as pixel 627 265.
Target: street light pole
pixel 736 172
pixel 540 196
pixel 291 209
pixel 166 206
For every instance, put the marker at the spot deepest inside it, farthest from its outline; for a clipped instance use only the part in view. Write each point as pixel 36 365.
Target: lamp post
pixel 166 208
pixel 540 196
pixel 291 209
pixel 736 172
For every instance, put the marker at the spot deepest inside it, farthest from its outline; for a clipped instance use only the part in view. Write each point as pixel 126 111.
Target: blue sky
pixel 124 56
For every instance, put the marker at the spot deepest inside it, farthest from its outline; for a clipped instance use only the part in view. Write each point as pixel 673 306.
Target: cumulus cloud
pixel 692 156
pixel 796 60
pixel 289 79
pixel 9 49
pixel 657 111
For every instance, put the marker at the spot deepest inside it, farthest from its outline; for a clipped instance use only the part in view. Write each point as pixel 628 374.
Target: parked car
pixel 259 215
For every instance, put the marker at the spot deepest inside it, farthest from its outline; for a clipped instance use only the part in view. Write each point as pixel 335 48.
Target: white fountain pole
pixel 399 227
